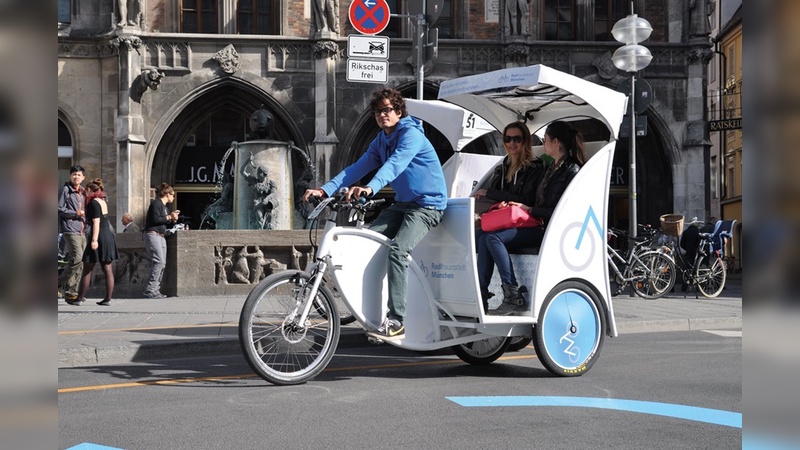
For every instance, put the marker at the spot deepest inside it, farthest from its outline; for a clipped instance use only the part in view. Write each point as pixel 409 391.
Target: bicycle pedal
pixel 374 340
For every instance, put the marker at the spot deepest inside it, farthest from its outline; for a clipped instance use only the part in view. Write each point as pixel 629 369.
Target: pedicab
pixel 289 326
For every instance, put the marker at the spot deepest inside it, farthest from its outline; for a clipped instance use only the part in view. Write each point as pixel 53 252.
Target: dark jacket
pixel 522 187
pixel 554 188
pixel 70 200
pixel 156 219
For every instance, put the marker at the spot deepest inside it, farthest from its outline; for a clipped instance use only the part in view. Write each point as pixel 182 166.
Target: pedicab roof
pixel 536 95
pixel 458 125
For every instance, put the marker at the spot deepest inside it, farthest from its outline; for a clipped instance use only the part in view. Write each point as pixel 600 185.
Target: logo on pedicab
pixel 577 246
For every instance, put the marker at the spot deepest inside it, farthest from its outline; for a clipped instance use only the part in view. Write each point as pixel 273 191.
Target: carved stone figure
pixel 262 125
pixel 228 59
pixel 136 9
pixel 326 15
pixel 223 261
pixel 150 78
pixel 265 197
pixel 515 17
pixel 241 270
pixel 257 263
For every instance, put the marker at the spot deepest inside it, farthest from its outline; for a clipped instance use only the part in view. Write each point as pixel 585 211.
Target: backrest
pixel 722 229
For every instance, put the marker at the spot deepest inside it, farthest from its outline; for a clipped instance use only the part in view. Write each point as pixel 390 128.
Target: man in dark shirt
pixel 71 204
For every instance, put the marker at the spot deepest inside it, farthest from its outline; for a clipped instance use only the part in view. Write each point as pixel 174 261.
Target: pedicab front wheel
pixel 569 334
pixel 276 345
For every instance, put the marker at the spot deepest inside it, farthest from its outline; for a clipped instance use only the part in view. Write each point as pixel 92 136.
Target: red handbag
pixel 503 217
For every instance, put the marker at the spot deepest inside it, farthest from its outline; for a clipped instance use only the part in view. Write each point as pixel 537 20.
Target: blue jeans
pixel 407 224
pixel 493 250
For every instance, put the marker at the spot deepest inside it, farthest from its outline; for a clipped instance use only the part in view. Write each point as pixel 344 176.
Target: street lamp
pixel 632 58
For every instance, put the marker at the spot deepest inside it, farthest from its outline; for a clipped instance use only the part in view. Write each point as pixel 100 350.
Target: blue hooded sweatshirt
pixel 406 161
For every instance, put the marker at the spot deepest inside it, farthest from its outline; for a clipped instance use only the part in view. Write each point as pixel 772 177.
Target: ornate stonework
pixel 326 49
pixel 130 42
pixel 228 59
pixel 605 67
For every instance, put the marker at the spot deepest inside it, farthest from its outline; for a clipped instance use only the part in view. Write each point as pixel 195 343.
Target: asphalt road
pixel 654 390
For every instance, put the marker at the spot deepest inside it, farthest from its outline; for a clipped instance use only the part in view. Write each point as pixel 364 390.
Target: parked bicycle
pixel 700 256
pixel 650 271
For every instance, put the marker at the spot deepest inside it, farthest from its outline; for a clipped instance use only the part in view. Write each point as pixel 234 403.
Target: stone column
pixel 326 52
pixel 697 145
pixel 129 135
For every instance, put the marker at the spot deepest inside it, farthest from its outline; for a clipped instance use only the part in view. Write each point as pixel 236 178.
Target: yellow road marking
pixel 233 377
pixel 112 330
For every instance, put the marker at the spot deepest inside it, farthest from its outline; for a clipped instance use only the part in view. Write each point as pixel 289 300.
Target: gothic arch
pixel 171 132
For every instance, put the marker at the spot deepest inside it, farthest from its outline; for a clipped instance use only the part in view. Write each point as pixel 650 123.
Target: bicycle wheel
pixel 482 352
pixel 710 275
pixel 655 275
pixel 569 334
pixel 278 348
pixel 517 343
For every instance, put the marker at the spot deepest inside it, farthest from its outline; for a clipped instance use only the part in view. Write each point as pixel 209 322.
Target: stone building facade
pixel 160 98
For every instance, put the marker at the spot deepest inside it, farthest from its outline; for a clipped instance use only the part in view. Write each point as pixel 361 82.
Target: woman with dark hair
pixel 102 248
pixel 514 180
pixel 564 144
pixel 158 217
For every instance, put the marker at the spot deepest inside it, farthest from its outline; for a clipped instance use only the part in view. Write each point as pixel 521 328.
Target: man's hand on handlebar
pixel 356 192
pixel 313 193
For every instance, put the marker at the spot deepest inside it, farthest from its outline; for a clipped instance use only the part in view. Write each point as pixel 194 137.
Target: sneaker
pixel 391 329
pixel 104 303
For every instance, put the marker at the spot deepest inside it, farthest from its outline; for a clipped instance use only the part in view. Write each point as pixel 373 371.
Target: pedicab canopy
pixel 536 95
pixel 458 125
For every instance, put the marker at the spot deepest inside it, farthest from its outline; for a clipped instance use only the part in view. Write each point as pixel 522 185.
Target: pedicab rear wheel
pixel 569 334
pixel 482 352
pixel 517 343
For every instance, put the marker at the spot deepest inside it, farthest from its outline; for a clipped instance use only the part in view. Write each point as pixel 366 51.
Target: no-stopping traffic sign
pixel 369 16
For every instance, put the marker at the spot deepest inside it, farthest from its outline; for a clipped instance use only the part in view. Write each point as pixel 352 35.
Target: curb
pixel 349 338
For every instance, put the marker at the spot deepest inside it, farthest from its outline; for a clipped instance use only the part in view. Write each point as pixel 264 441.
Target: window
pixel 445 21
pixel 64 14
pixel 199 16
pixel 396 25
pixel 606 14
pixel 256 16
pixel 559 20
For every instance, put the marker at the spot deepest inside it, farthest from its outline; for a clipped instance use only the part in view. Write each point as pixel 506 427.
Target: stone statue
pixel 223 260
pixel 136 8
pixel 241 270
pixel 515 18
pixel 257 264
pixel 262 125
pixel 265 197
pixel 326 15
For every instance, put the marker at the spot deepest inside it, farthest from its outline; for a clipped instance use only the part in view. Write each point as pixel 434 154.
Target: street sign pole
pixel 421 50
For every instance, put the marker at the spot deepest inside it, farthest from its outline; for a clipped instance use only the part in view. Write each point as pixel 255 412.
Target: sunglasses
pixel 515 139
pixel 386 110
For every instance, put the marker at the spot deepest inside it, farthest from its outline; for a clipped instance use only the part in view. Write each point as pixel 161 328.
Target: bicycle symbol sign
pixel 369 16
pixel 573 255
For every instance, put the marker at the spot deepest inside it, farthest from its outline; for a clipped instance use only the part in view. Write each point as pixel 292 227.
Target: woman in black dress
pixel 101 248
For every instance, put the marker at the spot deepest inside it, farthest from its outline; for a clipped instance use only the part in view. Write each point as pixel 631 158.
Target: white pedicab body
pixel 288 339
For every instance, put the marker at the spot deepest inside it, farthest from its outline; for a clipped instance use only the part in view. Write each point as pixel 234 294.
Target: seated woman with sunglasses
pixel 514 180
pixel 565 145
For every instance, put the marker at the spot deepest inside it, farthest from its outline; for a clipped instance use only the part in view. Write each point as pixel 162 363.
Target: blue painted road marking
pixel 90 446
pixel 714 416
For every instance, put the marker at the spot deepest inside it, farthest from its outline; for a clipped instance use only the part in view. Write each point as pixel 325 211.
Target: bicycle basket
pixel 672 224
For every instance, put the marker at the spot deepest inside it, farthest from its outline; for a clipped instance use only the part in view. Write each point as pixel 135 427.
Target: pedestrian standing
pixel 71 212
pixel 158 217
pixel 102 248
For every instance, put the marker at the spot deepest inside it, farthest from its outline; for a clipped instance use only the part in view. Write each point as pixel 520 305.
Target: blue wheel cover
pixel 571 329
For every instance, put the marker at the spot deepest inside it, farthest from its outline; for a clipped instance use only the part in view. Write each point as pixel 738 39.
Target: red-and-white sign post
pixel 370 65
